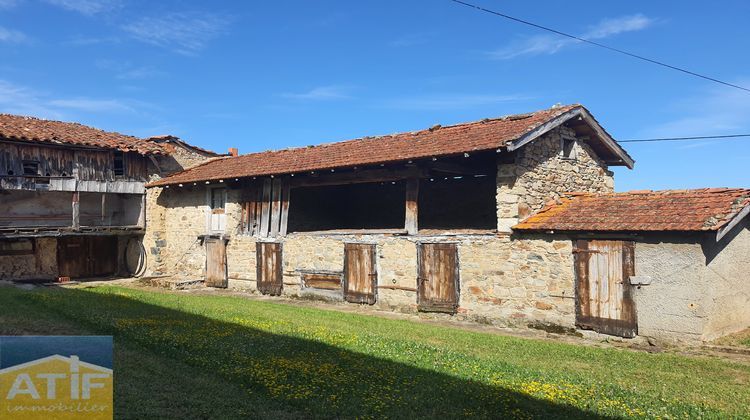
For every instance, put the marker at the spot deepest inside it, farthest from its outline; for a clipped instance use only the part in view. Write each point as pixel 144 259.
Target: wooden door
pixel 86 256
pixel 102 255
pixel 360 273
pixel 216 262
pixel 604 302
pixel 72 256
pixel 437 278
pixel 268 266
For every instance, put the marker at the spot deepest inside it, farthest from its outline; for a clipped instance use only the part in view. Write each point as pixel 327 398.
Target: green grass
pixel 179 355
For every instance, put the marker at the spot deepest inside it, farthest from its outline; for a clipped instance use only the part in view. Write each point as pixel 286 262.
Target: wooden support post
pixel 76 210
pixel 412 211
pixel 284 209
pixel 275 207
pixel 142 215
pixel 104 206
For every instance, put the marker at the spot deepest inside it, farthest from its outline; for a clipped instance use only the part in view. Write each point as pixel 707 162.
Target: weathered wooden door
pixel 72 256
pixel 216 262
pixel 437 278
pixel 86 256
pixel 102 255
pixel 268 266
pixel 603 292
pixel 360 273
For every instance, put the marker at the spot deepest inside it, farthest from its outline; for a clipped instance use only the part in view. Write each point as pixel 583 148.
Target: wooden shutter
pixel 604 300
pixel 438 286
pixel 216 262
pixel 360 273
pixel 269 268
pixel 86 256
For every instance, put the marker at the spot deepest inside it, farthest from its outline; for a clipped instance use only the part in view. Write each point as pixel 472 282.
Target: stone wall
pixel 42 265
pixel 540 174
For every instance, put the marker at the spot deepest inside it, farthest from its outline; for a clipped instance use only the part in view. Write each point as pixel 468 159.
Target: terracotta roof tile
pixel 16 127
pixel 487 134
pixel 670 210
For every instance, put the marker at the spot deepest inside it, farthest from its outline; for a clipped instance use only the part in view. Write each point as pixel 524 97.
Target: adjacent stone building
pixel 73 197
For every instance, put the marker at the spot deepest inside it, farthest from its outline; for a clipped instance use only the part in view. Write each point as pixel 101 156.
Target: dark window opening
pixel 218 198
pixel 17 247
pixel 118 165
pixel 466 202
pixel 568 148
pixel 355 206
pixel 30 167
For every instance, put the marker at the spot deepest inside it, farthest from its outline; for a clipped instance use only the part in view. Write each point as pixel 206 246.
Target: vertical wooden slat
pixel 412 212
pixel 360 273
pixel 76 210
pixel 284 208
pixel 275 207
pixel 438 279
pixel 265 219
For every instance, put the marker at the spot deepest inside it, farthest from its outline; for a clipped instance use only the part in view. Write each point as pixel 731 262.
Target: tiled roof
pixel 30 129
pixel 486 134
pixel 670 210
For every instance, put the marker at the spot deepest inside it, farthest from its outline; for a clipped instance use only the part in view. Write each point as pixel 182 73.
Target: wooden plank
pixel 265 218
pixel 249 210
pixel 216 263
pixel 438 280
pixel 285 199
pixel 269 268
pixel 360 273
pixel 76 223
pixel 326 281
pixel 412 193
pixel 275 207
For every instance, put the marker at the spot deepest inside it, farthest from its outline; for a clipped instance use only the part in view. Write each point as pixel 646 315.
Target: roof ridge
pixel 562 109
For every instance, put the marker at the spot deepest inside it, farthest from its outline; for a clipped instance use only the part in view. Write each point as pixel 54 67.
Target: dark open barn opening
pixel 377 205
pixel 462 202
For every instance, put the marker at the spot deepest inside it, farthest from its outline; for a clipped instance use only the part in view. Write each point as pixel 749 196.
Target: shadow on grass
pixel 289 375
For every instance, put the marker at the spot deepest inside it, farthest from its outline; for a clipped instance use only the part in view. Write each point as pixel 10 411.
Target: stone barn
pixel 424 221
pixel 72 197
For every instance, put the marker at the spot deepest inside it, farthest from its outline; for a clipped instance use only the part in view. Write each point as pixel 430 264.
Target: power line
pixel 617 50
pixel 729 136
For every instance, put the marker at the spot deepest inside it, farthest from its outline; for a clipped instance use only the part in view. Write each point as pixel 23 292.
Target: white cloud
pixel 551 44
pixel 91 105
pixel 182 32
pixel 321 93
pixel 12 36
pixel 87 7
pixel 450 101
pixel 16 99
pixel 715 111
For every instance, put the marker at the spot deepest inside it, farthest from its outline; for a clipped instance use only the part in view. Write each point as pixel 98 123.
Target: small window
pixel 118 165
pixel 568 147
pixel 30 167
pixel 218 198
pixel 17 247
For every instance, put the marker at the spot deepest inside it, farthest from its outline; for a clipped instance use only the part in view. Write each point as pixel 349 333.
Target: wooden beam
pixel 265 218
pixel 412 211
pixel 275 207
pixel 454 168
pixel 76 210
pixel 360 177
pixel 284 209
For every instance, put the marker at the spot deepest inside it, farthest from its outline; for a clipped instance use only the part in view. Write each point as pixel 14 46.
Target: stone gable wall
pixel 540 174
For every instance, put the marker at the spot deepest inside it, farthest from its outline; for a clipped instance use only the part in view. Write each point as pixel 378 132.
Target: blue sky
pixel 266 75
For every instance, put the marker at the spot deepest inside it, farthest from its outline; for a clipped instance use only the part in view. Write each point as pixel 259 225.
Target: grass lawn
pixel 186 356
